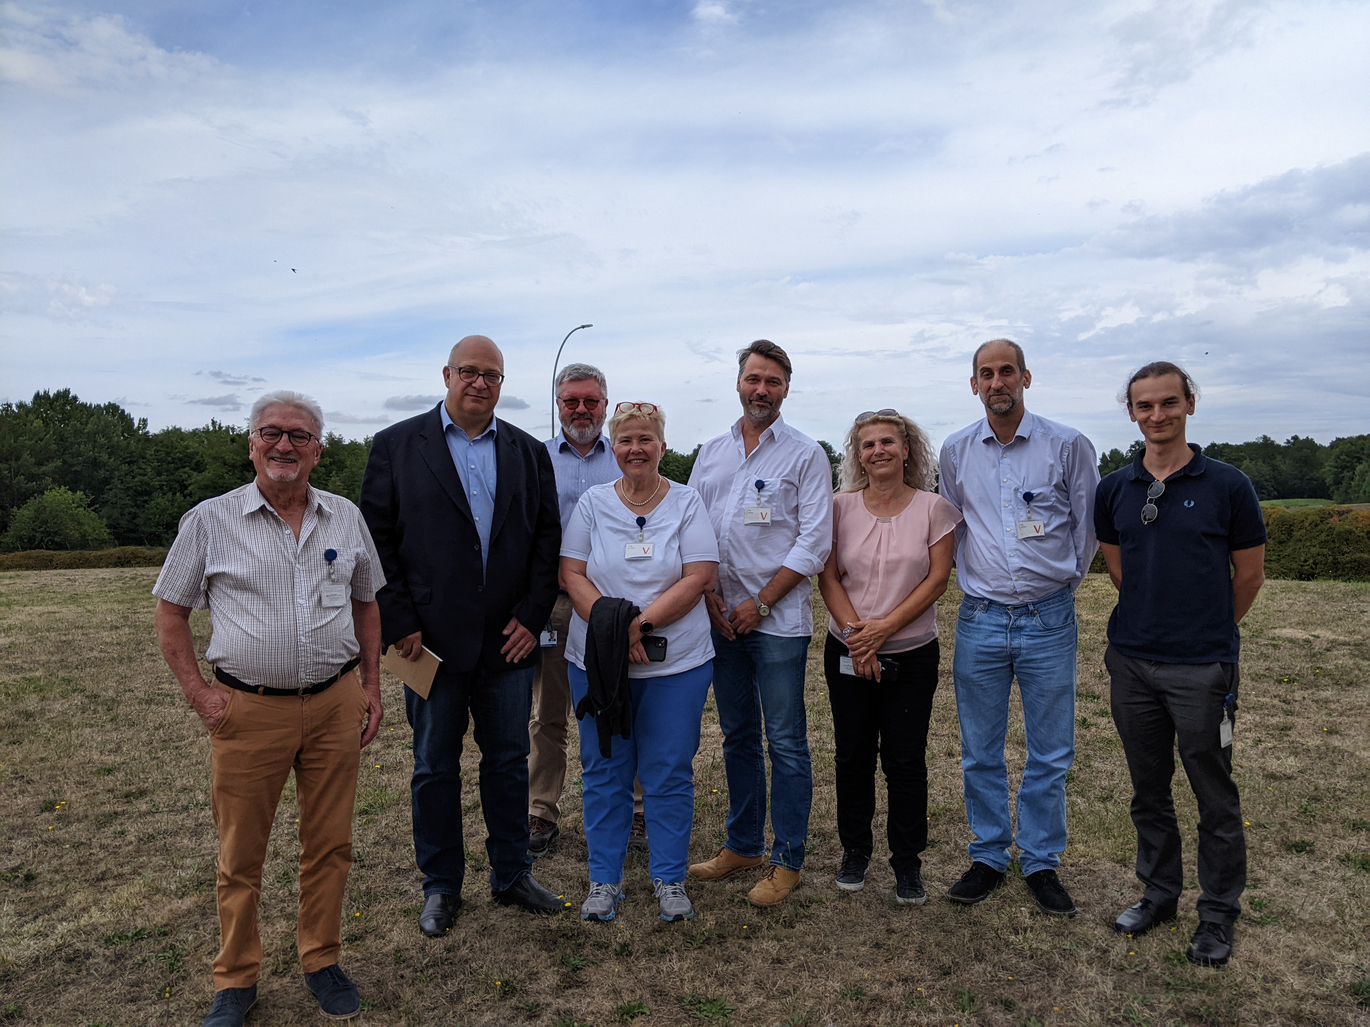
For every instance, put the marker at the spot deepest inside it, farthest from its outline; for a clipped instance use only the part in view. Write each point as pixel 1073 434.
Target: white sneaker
pixel 602 902
pixel 675 904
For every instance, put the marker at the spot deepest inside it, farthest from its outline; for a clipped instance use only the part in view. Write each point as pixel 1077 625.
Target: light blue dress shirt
pixel 986 481
pixel 476 467
pixel 576 473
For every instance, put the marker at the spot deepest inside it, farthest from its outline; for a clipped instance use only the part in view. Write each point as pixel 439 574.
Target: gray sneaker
pixel 675 904
pixel 602 902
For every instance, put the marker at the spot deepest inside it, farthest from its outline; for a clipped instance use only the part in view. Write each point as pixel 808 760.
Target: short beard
pixel 582 436
pixel 276 473
pixel 759 416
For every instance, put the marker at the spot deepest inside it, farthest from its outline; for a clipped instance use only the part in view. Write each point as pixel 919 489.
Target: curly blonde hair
pixel 920 469
pixel 657 419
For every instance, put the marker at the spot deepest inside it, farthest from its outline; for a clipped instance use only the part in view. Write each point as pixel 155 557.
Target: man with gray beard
pixel 581 457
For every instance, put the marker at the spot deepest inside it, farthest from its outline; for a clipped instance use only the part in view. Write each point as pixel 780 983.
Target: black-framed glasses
pixel 1154 492
pixel 887 412
pixel 470 374
pixel 299 438
pixel 589 404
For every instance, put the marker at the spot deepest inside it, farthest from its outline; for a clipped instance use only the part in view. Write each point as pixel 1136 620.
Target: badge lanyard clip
pixel 330 555
pixel 641 523
pixel 1028 497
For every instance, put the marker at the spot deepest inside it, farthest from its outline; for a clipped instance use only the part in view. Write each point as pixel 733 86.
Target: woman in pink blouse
pixel 891 557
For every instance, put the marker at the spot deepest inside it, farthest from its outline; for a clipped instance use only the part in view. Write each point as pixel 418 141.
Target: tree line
pixel 76 475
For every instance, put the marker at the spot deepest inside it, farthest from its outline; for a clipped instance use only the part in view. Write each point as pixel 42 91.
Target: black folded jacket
pixel 609 697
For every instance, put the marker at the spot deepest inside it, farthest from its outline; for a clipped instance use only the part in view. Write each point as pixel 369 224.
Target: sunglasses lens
pixel 1149 513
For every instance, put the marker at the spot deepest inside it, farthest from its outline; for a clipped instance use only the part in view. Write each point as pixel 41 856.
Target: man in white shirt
pixel 768 489
pixel 1025 486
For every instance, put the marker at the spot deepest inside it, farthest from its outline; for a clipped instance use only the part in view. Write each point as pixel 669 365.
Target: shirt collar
pixel 775 428
pixel 1195 467
pixel 564 444
pixel 447 422
pixel 253 500
pixel 1023 431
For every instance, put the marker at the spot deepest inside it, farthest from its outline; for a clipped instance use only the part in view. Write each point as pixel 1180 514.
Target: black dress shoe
pixel 1050 894
pixel 527 894
pixel 439 911
pixel 1211 944
pixel 1137 920
pixel 975 884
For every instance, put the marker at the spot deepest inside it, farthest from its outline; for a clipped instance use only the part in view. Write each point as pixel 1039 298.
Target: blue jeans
pixel 665 737
pixel 500 705
pixel 1037 644
pixel 759 682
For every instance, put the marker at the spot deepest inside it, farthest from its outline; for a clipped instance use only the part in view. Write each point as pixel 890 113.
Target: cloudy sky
pixel 202 201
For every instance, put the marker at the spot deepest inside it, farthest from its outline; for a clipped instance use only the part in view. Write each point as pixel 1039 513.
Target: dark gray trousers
pixel 1154 705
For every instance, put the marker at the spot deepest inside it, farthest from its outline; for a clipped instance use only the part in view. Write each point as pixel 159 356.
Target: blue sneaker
pixel 337 995
pixel 231 1006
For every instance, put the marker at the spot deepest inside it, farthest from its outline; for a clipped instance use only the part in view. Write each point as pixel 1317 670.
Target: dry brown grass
pixel 107 863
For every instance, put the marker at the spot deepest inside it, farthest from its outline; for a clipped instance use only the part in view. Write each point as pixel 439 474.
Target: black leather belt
pixel 228 679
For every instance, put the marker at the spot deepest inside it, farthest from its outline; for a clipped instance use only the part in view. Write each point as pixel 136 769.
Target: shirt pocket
pixel 782 496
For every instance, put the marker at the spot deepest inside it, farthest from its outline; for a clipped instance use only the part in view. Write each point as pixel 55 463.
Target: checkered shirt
pixel 263 588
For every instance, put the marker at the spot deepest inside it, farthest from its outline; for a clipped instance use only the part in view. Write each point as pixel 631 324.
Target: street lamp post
pixel 555 364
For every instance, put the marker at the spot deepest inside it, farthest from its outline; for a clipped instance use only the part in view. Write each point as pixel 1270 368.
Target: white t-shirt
pixel 601 527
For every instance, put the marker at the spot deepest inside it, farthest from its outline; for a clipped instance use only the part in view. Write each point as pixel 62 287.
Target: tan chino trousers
pixel 254 747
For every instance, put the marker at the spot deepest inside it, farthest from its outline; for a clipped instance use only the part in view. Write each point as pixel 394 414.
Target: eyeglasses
pixel 636 408
pixel 470 374
pixel 887 412
pixel 299 438
pixel 589 404
pixel 1153 493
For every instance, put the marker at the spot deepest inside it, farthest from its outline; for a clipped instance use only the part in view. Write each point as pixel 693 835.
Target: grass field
pixel 107 857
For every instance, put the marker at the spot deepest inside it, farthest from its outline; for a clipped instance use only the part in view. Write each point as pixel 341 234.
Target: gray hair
pixel 581 373
pixel 287 398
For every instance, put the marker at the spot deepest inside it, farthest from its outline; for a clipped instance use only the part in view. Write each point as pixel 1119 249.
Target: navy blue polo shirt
pixel 1175 605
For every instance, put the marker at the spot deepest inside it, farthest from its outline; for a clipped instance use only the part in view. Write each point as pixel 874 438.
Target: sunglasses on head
pixel 887 412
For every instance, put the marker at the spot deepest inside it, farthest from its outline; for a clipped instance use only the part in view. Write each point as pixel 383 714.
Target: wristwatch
pixel 761 607
pixel 645 627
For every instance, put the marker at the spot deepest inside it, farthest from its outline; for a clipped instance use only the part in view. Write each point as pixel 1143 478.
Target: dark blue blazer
pixel 421 522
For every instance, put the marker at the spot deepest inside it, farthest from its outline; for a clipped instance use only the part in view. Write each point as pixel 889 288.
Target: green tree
pixel 834 460
pixel 677 466
pixel 341 465
pixel 1346 458
pixel 1116 458
pixel 58 519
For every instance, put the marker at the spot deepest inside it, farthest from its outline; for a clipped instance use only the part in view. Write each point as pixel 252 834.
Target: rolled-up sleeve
pixel 810 550
pixel 182 578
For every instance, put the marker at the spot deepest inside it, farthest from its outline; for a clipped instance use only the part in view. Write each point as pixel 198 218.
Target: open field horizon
pixel 107 856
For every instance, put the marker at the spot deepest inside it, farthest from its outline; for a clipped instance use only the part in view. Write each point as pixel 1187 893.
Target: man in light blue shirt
pixel 475 463
pixel 1025 486
pixel 581 457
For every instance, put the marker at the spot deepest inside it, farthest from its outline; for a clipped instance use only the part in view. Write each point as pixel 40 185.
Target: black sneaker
pixel 851 875
pixel 908 888
pixel 541 835
pixel 337 995
pixel 1046 889
pixel 975 884
pixel 1211 944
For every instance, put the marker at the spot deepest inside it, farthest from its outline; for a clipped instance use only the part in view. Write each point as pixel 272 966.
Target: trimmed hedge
pixel 1326 543
pixel 48 560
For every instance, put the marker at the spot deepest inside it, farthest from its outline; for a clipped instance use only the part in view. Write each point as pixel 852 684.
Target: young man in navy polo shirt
pixel 1184 541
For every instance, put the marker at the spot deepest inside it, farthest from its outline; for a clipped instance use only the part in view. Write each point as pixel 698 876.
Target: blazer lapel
pixel 508 474
pixel 433 449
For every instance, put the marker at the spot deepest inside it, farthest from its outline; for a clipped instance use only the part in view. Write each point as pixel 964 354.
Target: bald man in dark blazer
pixel 463 510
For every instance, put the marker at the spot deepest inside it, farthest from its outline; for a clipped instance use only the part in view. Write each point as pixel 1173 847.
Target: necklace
pixel 624 492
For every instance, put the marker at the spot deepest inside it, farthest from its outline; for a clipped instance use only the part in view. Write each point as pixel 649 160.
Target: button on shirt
pixel 475 463
pixel 264 589
pixel 576 473
pixel 986 481
pixel 798 490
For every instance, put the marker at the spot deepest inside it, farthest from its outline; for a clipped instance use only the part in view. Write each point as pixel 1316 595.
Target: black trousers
pixel 888 719
pixel 1154 706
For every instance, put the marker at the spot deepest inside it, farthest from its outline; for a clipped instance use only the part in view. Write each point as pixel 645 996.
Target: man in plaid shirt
pixel 289 575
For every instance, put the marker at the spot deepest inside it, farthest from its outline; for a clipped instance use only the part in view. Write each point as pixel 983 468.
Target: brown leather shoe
pixel 725 864
pixel 775 887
